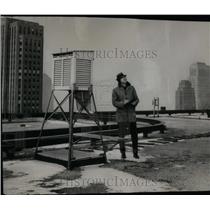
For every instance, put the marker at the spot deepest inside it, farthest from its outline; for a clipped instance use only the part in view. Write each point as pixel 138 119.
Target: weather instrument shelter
pixel 72 74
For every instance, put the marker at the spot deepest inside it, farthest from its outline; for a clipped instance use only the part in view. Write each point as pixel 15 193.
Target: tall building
pixel 200 79
pixel 22 66
pixel 185 98
pixel 5 46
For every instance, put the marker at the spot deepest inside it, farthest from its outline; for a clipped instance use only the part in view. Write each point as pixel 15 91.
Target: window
pixel 20 29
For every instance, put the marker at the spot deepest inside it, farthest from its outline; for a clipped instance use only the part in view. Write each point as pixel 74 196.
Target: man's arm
pixel 115 102
pixel 135 100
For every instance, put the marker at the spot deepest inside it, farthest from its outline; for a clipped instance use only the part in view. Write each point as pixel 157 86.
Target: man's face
pixel 123 80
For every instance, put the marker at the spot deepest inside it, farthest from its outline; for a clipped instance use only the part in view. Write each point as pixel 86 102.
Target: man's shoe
pixel 123 156
pixel 136 156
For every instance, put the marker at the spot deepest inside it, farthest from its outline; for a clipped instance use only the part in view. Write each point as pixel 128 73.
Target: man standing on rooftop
pixel 125 99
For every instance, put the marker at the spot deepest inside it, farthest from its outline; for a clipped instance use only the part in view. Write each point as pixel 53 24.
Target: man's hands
pixel 129 102
pixel 126 101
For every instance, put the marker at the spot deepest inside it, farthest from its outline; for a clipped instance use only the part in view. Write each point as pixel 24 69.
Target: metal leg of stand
pixel 43 123
pixel 98 122
pixel 71 112
pixel 95 118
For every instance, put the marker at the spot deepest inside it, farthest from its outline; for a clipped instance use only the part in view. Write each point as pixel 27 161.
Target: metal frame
pixel 72 96
pixel 156 103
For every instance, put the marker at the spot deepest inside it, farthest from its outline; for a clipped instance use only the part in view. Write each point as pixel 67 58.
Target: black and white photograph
pixel 105 104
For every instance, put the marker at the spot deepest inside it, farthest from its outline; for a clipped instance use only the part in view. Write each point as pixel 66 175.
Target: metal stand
pixel 155 103
pixel 73 95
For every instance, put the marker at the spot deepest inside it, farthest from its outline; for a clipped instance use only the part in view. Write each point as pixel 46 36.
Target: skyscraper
pixel 185 98
pixel 200 79
pixel 5 46
pixel 22 66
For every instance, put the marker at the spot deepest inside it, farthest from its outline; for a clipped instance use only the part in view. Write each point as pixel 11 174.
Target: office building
pixel 185 98
pixel 200 80
pixel 22 66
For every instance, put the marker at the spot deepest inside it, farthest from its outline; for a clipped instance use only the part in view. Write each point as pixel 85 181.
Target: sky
pixel 175 44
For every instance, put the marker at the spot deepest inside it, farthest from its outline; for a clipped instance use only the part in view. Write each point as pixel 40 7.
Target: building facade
pixel 185 98
pixel 200 79
pixel 22 66
pixel 5 46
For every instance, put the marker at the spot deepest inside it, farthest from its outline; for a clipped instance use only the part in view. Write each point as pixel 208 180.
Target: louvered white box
pixel 73 69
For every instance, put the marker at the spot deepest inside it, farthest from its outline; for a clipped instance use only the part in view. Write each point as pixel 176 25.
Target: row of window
pixel 30 30
pixel 28 100
pixel 30 56
pixel 28 62
pixel 29 108
pixel 35 73
pixel 29 91
pixel 29 68
pixel 31 100
pixel 30 42
pixel 34 50
pixel 29 83
pixel 33 90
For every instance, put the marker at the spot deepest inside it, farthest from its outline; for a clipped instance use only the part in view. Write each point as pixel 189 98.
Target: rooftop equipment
pixel 73 74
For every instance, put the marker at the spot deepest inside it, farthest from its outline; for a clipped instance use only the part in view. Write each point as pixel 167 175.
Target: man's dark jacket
pixel 125 113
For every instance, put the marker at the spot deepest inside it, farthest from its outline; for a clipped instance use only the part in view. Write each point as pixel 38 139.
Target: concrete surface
pixel 175 166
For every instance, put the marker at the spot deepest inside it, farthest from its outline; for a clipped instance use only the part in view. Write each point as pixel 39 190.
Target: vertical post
pixel 71 113
pixel 153 103
pixel 98 122
pixel 43 123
